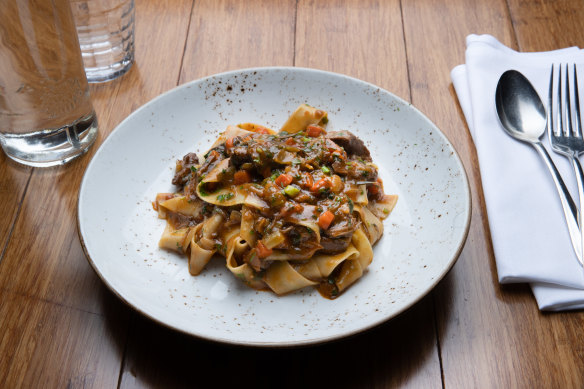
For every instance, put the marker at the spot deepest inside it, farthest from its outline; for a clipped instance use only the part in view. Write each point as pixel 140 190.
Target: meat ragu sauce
pixel 310 176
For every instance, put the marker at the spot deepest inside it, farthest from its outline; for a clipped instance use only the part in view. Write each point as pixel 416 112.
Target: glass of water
pixel 46 114
pixel 106 37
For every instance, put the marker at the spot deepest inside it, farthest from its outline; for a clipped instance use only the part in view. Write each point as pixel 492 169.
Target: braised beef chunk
pixel 334 246
pixel 211 159
pixel 239 155
pixel 297 237
pixel 178 220
pixel 349 142
pixel 342 228
pixel 361 171
pixel 184 169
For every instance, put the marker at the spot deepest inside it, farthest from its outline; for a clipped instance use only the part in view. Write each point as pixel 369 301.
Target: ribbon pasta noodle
pixel 288 209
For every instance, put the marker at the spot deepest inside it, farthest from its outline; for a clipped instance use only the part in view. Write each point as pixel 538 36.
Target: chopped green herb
pixel 225 196
pixel 385 210
pixel 202 190
pixel 351 205
pixel 325 170
pixel 324 120
pixel 193 169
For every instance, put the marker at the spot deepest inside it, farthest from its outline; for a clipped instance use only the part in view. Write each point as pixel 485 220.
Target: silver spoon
pixel 523 117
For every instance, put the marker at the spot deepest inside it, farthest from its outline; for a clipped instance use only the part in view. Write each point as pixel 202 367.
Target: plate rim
pixel 295 343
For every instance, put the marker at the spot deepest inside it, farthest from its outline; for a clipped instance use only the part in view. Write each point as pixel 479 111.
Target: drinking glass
pixel 106 36
pixel 46 114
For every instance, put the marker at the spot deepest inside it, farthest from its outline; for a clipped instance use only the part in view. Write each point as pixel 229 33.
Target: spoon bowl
pixel 519 107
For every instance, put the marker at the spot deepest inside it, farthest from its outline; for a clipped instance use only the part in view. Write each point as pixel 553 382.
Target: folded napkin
pixel 530 238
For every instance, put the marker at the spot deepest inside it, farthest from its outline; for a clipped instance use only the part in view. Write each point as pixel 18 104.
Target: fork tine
pixel 577 103
pixel 550 115
pixel 560 118
pixel 568 131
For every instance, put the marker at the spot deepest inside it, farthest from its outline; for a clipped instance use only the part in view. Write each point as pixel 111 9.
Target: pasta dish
pixel 288 209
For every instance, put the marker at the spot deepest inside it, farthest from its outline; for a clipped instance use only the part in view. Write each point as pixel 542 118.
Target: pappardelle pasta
pixel 289 209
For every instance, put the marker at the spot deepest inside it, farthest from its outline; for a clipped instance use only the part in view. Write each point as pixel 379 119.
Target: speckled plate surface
pixel 120 231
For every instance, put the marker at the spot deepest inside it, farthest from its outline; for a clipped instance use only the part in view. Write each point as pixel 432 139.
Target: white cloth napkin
pixel 530 238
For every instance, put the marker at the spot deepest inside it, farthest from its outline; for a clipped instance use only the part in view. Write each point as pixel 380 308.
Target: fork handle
pixel 568 205
pixel 580 180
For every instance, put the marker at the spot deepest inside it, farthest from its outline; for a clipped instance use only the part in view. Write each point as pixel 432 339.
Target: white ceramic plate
pixel 120 231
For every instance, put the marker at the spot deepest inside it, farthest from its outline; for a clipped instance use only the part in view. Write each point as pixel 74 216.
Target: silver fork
pixel 565 137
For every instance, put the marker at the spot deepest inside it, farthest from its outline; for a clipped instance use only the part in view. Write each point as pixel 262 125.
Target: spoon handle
pixel 568 205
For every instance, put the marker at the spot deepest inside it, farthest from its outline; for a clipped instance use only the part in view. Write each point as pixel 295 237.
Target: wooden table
pixel 61 327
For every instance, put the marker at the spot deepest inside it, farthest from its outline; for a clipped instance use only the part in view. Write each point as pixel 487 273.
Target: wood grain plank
pixel 45 345
pixel 547 25
pixel 13 180
pixel 44 257
pixel 490 335
pixel 161 358
pixel 227 35
pixel 362 39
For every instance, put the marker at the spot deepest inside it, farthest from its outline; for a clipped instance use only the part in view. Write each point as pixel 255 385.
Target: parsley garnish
pixel 225 196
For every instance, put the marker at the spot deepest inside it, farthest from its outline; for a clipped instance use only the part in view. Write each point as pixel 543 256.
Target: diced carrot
pixel 373 189
pixel 308 181
pixel 284 180
pixel 314 131
pixel 229 143
pixel 241 177
pixel 290 141
pixel 322 183
pixel 262 250
pixel 325 219
pixel 262 130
